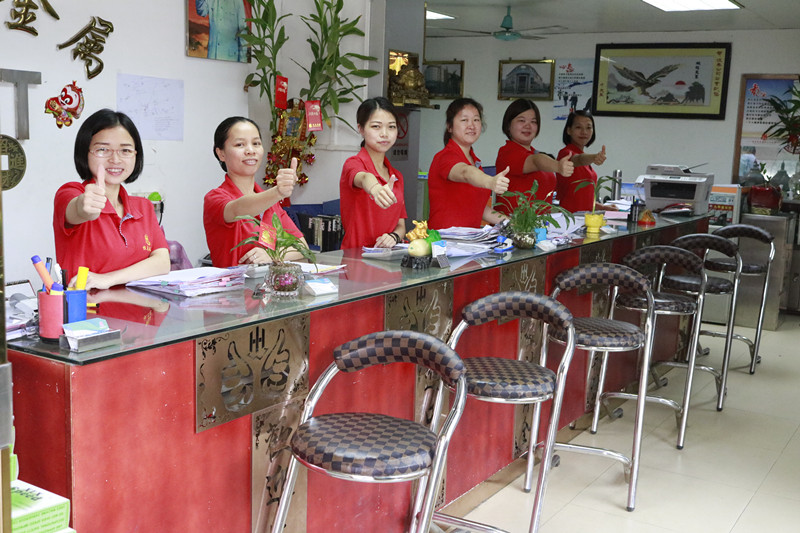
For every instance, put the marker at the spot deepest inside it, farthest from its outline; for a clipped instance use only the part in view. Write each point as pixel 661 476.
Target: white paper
pixel 154 104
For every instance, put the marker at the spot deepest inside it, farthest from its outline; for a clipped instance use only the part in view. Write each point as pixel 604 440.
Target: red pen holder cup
pixel 76 305
pixel 51 316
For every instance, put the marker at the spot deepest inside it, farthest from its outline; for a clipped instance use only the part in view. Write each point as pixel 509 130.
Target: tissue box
pixel 34 510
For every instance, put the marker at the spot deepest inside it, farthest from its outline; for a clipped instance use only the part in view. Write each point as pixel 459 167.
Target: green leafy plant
pixel 531 213
pixel 266 37
pixel 604 183
pixel 331 73
pixel 284 241
pixel 787 128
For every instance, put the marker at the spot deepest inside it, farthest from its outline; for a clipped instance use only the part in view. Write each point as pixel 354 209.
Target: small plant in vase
pixel 594 220
pixel 528 218
pixel 283 278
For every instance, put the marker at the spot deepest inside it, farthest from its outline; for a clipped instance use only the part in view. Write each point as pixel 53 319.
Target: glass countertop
pixel 149 320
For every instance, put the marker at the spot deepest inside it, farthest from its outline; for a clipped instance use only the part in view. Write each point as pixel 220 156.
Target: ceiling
pixel 605 16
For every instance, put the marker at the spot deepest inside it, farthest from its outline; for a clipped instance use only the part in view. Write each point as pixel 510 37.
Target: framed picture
pixel 680 80
pixel 444 79
pixel 213 28
pixel 526 78
pixel 755 155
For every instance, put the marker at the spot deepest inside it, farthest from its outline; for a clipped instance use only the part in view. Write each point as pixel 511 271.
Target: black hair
pixel 454 109
pixel 571 119
pixel 221 135
pixel 369 106
pixel 516 108
pixel 97 122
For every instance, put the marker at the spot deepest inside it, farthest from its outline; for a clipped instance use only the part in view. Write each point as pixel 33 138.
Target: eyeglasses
pixel 104 153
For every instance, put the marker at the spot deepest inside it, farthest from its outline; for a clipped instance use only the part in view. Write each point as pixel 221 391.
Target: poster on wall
pixel 752 149
pixel 214 27
pixel 573 86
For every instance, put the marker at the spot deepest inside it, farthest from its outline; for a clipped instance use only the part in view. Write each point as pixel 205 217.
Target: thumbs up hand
pixel 93 200
pixel 286 178
pixel 600 157
pixel 565 166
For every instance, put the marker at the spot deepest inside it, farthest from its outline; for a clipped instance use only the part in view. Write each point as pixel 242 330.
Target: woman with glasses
pixel 95 222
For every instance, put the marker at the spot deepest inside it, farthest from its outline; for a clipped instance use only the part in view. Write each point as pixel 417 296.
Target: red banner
pixel 313 115
pixel 281 91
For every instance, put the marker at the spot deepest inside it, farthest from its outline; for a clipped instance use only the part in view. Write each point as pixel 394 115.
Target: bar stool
pixel 516 381
pixel 653 261
pixel 747 231
pixel 375 448
pixel 597 334
pixel 701 244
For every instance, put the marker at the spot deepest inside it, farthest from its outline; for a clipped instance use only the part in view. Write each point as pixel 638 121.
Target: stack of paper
pixel 89 334
pixel 195 281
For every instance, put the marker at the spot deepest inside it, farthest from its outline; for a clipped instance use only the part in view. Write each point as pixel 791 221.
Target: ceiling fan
pixel 507 31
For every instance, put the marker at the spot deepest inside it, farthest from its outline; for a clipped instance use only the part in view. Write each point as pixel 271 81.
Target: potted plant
pixel 528 219
pixel 283 278
pixel 787 130
pixel 594 220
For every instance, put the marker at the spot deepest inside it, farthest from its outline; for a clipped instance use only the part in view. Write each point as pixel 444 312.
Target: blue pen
pixel 48 265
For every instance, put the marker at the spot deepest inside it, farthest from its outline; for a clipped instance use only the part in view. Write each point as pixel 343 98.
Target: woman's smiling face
pixel 243 150
pixel 466 128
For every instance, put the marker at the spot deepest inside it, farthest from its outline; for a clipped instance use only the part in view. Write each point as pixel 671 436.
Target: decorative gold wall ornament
pixel 406 82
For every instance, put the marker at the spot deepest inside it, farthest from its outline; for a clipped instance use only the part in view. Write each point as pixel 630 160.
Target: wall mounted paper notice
pixel 154 104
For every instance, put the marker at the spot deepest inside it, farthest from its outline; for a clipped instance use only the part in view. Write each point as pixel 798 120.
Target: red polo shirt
pixel 454 203
pixel 364 221
pixel 513 155
pixel 568 198
pixel 109 242
pixel 221 236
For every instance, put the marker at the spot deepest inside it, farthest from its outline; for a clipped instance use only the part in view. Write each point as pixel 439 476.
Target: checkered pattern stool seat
pixel 725 264
pixel 496 377
pixel 664 302
pixel 364 444
pixel 714 285
pixel 604 333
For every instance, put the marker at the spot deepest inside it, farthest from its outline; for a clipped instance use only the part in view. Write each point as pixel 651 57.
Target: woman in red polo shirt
pixel 578 135
pixel 370 189
pixel 238 148
pixel 458 189
pixel 521 124
pixel 96 223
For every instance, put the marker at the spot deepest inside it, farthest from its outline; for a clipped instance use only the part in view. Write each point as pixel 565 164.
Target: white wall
pixel 149 39
pixel 631 143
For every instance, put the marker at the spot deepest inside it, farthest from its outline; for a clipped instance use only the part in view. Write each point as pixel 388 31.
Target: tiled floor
pixel 739 471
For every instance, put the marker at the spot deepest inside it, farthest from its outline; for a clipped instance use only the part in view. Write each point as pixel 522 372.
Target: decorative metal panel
pixel 426 309
pixel 272 429
pixel 249 369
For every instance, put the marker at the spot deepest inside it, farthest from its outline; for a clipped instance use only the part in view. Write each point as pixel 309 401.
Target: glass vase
pixel 284 279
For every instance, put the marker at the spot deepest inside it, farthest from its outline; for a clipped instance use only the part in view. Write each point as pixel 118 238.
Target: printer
pixel 666 186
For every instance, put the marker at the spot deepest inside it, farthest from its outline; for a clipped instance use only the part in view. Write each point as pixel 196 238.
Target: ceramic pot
pixel 524 240
pixel 593 223
pixel 284 279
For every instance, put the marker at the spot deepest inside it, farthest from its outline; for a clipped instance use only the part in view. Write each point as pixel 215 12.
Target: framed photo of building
pixel 444 79
pixel 675 80
pixel 526 78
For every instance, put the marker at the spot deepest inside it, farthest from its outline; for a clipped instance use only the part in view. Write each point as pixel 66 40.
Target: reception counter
pixel 184 425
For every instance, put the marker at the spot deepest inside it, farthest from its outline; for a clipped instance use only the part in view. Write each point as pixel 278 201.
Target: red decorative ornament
pixel 67 106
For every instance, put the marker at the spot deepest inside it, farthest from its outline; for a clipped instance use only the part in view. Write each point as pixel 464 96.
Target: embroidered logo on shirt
pixel 148 246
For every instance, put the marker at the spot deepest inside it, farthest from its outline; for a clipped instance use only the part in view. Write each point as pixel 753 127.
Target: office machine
pixel 668 186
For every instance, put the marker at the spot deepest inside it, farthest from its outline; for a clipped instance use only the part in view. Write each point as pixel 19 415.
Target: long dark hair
pixel 570 120
pixel 516 108
pixel 99 121
pixel 454 109
pixel 369 106
pixel 221 135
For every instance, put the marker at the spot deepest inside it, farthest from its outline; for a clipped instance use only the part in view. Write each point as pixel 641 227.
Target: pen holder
pixel 51 316
pixel 76 305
